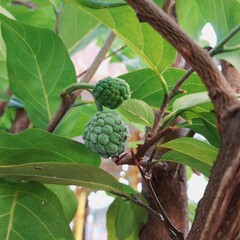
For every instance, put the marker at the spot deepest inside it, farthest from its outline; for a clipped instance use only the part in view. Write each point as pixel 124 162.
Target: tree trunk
pixel 212 220
pixel 170 185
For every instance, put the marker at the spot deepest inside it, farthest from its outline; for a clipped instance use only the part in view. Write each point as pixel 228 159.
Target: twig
pixel 150 142
pixel 171 228
pixel 21 121
pixel 30 5
pixel 68 100
pixel 220 46
pixel 111 54
pixel 140 203
pixel 98 60
pixel 57 13
pixel 126 158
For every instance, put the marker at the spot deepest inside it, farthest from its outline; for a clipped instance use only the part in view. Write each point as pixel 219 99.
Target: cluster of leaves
pixel 35 65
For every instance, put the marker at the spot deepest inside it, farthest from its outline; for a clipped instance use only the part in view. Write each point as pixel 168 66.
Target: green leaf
pixel 159 2
pixel 83 25
pixel 137 111
pixel 191 210
pixel 3 68
pixel 39 68
pixel 67 198
pixel 178 157
pixel 222 15
pixel 35 145
pixel 201 154
pixel 66 174
pixel 140 37
pixel 41 14
pixel 204 124
pixel 124 220
pixel 74 122
pixel 145 84
pixel 190 101
pixel 3 61
pixel 124 215
pixel 7 119
pixel 31 211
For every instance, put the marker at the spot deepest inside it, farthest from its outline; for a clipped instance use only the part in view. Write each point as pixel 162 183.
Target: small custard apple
pixel 111 92
pixel 105 134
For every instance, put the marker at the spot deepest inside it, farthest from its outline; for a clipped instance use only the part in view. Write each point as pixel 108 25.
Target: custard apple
pixel 111 92
pixel 105 134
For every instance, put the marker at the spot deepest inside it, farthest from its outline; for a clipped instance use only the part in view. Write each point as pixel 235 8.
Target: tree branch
pixel 108 56
pixel 21 121
pixel 224 181
pixel 68 100
pixel 221 94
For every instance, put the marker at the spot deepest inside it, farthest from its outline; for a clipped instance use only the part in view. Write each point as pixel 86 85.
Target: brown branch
pixel 68 100
pixel 2 107
pixel 221 94
pixel 29 4
pixel 126 158
pixel 21 121
pixel 108 56
pixel 57 14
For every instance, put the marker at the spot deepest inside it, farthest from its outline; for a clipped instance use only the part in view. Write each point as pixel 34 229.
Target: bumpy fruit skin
pixel 105 134
pixel 111 92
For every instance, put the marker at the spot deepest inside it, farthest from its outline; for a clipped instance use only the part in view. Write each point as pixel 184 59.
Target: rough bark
pixel 219 199
pixel 169 182
pixel 232 76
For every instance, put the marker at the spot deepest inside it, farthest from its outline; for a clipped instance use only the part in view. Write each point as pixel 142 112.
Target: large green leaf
pixel 3 61
pixel 67 198
pixel 39 68
pixel 121 212
pixel 178 157
pixel 31 211
pixel 3 69
pixel 75 26
pixel 222 15
pixel 190 101
pixel 140 37
pixel 137 111
pixel 74 122
pixel 145 84
pixel 35 145
pixel 194 148
pixel 41 14
pixel 66 174
pixel 205 124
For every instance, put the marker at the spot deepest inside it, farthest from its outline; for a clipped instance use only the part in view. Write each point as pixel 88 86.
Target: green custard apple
pixel 111 92
pixel 106 134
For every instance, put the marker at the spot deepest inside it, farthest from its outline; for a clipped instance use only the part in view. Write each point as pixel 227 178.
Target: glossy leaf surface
pixel 31 211
pixel 39 68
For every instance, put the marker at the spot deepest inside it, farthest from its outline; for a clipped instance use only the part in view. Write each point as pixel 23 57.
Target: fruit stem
pixel 73 87
pixel 98 105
